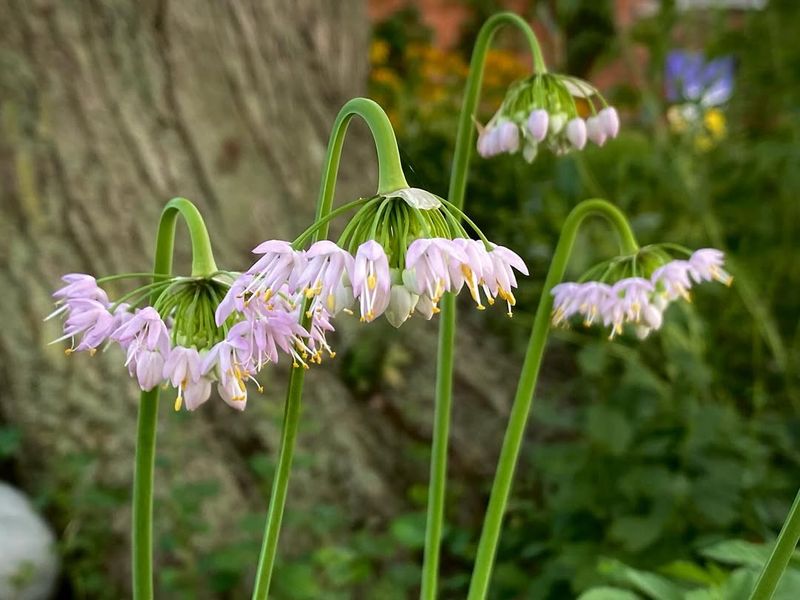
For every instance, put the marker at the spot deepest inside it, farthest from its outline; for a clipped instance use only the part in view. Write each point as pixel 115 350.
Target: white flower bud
pixel 610 120
pixel 537 124
pixel 508 137
pixel 595 130
pixel 401 305
pixel 576 132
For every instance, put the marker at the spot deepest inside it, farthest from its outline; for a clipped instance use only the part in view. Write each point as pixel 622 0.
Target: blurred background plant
pixel 652 468
pixel 651 453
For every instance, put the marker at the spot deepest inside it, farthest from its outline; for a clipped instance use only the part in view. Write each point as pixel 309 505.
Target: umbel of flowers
pixel 398 255
pixel 636 289
pixel 557 111
pixel 176 331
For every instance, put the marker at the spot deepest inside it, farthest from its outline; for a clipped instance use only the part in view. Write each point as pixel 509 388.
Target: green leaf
pixel 609 428
pixel 689 571
pixel 737 552
pixel 650 584
pixel 636 533
pixel 409 530
pixel 10 441
pixel 608 593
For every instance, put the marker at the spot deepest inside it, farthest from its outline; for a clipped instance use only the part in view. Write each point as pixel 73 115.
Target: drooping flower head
pixel 197 330
pixel 557 111
pixel 397 256
pixel 636 289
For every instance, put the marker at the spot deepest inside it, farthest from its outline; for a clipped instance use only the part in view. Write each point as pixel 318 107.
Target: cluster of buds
pixel 397 256
pixel 640 299
pixel 183 339
pixel 548 109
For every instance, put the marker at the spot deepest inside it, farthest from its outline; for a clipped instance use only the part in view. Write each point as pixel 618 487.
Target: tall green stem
pixel 465 139
pixel 390 178
pixel 523 400
pixel 780 556
pixel 202 265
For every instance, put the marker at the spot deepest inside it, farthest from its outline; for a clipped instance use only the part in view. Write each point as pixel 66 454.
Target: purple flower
pixel 428 266
pixel 324 275
pixel 222 362
pixel 89 318
pixel 144 330
pixel 279 265
pixel 690 77
pixel 706 265
pixel 502 280
pixel 371 280
pixel 183 369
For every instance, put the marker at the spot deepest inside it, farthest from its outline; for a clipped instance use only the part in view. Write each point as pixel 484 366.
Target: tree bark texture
pixel 107 109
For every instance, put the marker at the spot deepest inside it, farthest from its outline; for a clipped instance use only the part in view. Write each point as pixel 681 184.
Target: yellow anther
pixel 68 351
pixel 178 402
pixel 372 282
pixel 480 307
pixel 92 351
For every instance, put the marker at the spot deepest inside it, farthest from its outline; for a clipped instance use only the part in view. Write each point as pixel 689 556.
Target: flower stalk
pixel 515 430
pixel 390 178
pixel 781 555
pixel 465 138
pixel 142 520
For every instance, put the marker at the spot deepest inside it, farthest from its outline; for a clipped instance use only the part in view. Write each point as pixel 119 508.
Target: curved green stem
pixel 780 556
pixel 390 178
pixel 523 399
pixel 465 140
pixel 142 518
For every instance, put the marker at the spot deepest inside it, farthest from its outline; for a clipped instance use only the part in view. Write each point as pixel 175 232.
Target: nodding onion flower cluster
pixel 396 257
pixel 546 108
pixel 639 296
pixel 186 339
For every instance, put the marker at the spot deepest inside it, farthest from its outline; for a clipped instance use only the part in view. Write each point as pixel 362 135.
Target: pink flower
pixel 706 265
pixel 500 280
pixel 428 262
pixel 80 286
pixel 145 330
pixel 89 318
pixel 324 274
pixel 371 280
pixel 672 280
pixel 222 362
pixel 279 265
pixel 183 368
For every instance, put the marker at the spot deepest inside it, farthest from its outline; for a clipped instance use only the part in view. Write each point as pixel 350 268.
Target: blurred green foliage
pixel 647 453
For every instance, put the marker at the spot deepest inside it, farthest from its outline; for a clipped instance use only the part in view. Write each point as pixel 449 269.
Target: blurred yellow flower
pixel 378 52
pixel 385 76
pixel 714 120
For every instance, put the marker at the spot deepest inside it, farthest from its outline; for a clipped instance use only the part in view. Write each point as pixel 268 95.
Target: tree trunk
pixel 109 108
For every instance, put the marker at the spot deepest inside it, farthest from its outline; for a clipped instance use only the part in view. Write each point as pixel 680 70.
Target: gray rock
pixel 28 559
